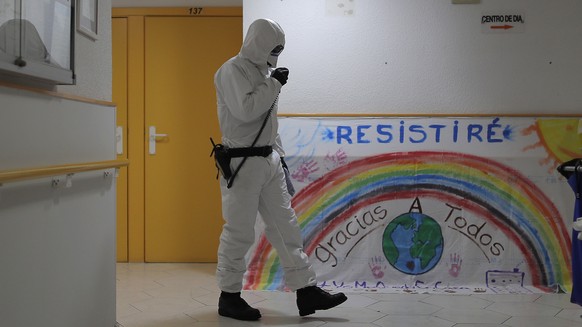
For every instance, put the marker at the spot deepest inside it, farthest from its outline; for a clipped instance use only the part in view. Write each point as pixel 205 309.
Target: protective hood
pixel 263 36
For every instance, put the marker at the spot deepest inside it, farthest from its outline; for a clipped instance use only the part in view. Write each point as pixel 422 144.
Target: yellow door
pixel 119 44
pixel 182 197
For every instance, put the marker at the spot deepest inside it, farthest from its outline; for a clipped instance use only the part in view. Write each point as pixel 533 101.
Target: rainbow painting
pixel 500 194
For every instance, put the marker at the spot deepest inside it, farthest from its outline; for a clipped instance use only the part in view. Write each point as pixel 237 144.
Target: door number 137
pixel 195 11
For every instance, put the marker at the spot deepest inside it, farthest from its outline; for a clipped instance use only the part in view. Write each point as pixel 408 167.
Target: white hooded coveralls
pixel 245 92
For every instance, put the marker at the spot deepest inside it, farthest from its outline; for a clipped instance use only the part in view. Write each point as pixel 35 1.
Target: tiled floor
pixel 176 295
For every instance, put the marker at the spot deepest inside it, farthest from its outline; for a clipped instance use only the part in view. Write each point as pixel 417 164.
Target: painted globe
pixel 413 243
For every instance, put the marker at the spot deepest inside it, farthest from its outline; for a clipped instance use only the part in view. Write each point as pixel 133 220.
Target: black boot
pixel 313 298
pixel 233 306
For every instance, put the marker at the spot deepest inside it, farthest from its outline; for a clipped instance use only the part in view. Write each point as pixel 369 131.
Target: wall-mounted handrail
pixel 32 173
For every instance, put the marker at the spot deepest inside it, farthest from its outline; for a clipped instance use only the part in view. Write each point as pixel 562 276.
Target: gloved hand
pixel 281 74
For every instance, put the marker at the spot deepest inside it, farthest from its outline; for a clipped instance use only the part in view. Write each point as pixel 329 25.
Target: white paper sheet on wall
pixel 441 205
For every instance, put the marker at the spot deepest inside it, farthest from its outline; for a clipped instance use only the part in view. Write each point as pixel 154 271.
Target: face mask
pixel 274 56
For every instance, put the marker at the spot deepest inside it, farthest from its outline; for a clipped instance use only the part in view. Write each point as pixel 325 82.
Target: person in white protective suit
pixel 247 89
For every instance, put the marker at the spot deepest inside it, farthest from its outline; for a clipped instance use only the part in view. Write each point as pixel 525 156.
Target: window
pixel 36 40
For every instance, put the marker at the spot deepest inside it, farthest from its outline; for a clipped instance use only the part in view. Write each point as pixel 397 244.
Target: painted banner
pixel 420 204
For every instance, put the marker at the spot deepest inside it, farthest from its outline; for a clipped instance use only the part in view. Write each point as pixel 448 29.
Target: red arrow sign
pixel 505 27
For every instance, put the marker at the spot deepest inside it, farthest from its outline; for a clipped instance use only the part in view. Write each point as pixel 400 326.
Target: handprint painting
pixel 437 205
pixel 455 265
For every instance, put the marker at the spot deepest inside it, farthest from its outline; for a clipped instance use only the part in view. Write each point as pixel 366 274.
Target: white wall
pixel 57 233
pixel 42 130
pixel 422 57
pixel 57 244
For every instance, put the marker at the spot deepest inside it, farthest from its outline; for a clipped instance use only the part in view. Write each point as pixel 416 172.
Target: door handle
pixel 153 138
pixel 119 140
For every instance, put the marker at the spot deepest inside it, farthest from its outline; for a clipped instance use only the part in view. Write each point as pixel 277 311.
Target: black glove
pixel 281 74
